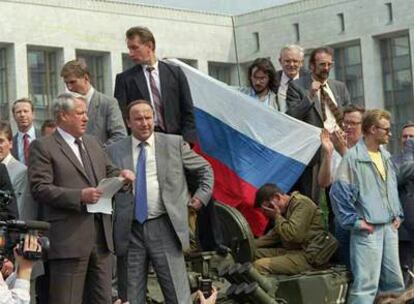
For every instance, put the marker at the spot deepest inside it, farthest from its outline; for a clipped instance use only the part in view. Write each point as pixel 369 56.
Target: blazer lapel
pixel 317 104
pixel 161 156
pixel 126 152
pixel 67 151
pixel 141 82
pixel 93 110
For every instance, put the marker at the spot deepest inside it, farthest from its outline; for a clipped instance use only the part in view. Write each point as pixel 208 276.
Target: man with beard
pixel 317 100
pixel 262 83
pixel 365 200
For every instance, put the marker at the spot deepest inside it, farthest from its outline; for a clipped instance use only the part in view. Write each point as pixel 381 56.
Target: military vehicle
pixel 231 272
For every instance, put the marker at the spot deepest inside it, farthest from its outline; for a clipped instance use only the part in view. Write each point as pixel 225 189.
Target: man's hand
pixel 195 203
pixel 367 227
pixel 396 223
pixel 339 141
pixel 326 142
pixel 24 269
pixel 271 210
pixel 90 195
pixel 211 299
pixel 128 175
pixel 314 88
pixel 7 268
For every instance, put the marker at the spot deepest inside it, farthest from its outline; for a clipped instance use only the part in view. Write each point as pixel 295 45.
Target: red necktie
pixel 26 144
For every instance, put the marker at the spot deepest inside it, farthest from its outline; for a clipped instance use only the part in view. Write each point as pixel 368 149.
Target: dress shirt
pixel 88 96
pixel 330 122
pixel 155 205
pixel 14 290
pixel 281 92
pixel 20 149
pixel 7 159
pixel 156 75
pixel 70 140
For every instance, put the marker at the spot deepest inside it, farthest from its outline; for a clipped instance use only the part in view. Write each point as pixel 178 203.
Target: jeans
pixel 343 235
pixel 375 264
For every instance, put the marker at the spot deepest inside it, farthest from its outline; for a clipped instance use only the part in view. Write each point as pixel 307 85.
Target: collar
pixel 285 78
pixel 31 132
pixel 362 152
pixel 155 66
pixel 7 159
pixel 150 141
pixel 65 135
pixel 88 95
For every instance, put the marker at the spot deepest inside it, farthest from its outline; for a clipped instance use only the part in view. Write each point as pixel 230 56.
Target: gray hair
pixel 65 102
pixel 293 47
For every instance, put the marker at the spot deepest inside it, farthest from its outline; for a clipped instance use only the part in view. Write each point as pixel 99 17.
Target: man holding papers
pixel 64 171
pixel 151 224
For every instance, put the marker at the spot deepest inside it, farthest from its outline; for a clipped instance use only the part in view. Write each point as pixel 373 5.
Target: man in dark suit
pixel 164 84
pixel 105 118
pixel 64 171
pixel 319 101
pixel 23 114
pixel 152 225
pixel 291 61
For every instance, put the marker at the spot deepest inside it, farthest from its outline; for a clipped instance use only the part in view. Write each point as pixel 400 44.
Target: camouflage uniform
pixel 292 233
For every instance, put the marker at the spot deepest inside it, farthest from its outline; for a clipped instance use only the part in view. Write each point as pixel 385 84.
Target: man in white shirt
pixel 23 114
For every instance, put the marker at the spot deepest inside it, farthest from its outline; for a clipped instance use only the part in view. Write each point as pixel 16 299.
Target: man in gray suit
pixel 64 171
pixel 319 101
pixel 105 118
pixel 152 225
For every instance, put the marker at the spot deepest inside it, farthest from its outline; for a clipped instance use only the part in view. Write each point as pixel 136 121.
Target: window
pixel 397 82
pixel 220 71
pixel 191 62
pixel 95 62
pixel 126 62
pixel 297 32
pixel 4 99
pixel 256 38
pixel 348 68
pixel 341 22
pixel 389 11
pixel 43 75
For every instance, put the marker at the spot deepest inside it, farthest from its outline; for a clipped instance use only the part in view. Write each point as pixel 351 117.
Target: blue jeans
pixel 343 235
pixel 375 264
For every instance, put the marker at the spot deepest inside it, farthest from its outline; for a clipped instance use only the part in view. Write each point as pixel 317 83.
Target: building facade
pixel 372 41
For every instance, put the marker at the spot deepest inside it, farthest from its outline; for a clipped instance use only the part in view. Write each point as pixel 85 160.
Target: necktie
pixel 141 203
pixel 156 99
pixel 87 165
pixel 327 101
pixel 26 144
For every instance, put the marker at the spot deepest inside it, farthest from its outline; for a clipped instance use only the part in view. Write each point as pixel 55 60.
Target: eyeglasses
pixel 352 124
pixel 387 130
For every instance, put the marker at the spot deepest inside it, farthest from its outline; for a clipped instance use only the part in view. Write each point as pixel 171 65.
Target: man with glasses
pixel 334 147
pixel 407 132
pixel 365 200
pixel 317 100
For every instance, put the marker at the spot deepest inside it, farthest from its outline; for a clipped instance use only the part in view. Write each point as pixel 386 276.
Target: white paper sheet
pixel 109 187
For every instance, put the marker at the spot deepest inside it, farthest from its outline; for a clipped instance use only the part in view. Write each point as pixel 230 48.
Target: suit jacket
pixel 175 95
pixel 14 150
pixel 105 119
pixel 56 178
pixel 26 206
pixel 10 210
pixel 300 106
pixel 173 157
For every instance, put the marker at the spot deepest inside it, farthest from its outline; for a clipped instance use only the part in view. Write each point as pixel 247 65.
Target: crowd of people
pixel 95 257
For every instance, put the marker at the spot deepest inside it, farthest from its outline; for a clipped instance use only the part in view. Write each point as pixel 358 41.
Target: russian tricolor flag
pixel 247 143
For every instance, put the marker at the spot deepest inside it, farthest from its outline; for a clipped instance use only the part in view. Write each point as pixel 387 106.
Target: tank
pixel 230 270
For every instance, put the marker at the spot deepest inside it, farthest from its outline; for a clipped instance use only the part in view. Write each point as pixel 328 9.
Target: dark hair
pixel 323 49
pixel 6 129
pixel 266 66
pixel 408 124
pixel 143 33
pixel 26 100
pixel 135 102
pixel 354 108
pixel 48 123
pixel 265 193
